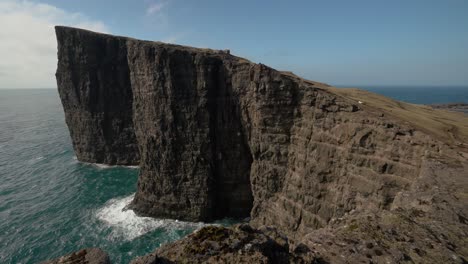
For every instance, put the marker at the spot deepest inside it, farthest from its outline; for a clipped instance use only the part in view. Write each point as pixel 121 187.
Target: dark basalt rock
pixel 118 93
pixel 219 136
pixel 238 244
pixel 195 161
pixel 84 256
pixel 94 85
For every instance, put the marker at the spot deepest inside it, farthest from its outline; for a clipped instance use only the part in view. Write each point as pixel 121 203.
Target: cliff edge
pixel 216 135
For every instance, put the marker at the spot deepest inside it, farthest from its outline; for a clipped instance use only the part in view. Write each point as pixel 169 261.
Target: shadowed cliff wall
pixel 195 161
pixel 94 86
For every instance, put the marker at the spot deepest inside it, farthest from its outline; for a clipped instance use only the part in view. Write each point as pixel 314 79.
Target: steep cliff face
pixel 221 136
pixel 194 158
pixel 94 85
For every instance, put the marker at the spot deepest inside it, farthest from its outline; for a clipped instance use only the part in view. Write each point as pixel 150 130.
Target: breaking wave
pixel 105 166
pixel 125 224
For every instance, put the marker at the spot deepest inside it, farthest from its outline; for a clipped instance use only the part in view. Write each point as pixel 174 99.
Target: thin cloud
pixel 156 14
pixel 28 48
pixel 154 8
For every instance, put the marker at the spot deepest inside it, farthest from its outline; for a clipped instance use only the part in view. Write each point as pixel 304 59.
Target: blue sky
pixel 359 42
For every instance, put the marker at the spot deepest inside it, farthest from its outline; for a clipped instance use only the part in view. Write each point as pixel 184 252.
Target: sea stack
pixel 216 135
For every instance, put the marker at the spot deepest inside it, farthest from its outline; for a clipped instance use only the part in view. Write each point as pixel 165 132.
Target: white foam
pixel 101 166
pixel 127 225
pixel 35 160
pixel 106 166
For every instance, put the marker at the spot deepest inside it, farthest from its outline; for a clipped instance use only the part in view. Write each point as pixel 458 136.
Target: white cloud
pixel 154 8
pixel 156 13
pixel 28 48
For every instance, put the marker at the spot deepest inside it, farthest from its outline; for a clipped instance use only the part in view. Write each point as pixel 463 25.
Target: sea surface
pixel 51 204
pixel 422 94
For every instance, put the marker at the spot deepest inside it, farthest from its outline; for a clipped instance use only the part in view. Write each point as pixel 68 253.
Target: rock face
pixel 220 136
pixel 239 244
pixel 195 160
pixel 94 86
pixel 84 256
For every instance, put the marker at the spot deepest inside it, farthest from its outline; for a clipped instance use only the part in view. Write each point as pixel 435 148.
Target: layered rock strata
pixel 94 86
pixel 218 136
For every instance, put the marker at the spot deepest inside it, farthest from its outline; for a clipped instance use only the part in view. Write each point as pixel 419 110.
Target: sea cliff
pixel 349 175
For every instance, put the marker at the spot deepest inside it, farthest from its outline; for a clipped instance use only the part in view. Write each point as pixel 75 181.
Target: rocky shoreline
pixel 326 175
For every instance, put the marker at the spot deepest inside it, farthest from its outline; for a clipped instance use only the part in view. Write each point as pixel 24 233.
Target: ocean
pixel 422 94
pixel 51 204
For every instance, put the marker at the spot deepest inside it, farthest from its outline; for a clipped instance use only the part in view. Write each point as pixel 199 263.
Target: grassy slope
pixel 450 127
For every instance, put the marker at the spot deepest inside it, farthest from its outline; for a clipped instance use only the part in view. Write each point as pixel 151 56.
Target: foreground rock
pixel 239 244
pixel 84 256
pixel 219 136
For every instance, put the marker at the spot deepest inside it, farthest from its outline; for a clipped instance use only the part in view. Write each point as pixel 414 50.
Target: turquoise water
pixel 51 204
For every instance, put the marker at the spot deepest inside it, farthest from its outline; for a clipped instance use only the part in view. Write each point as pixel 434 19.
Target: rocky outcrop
pixel 213 244
pixel 84 256
pixel 220 136
pixel 238 244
